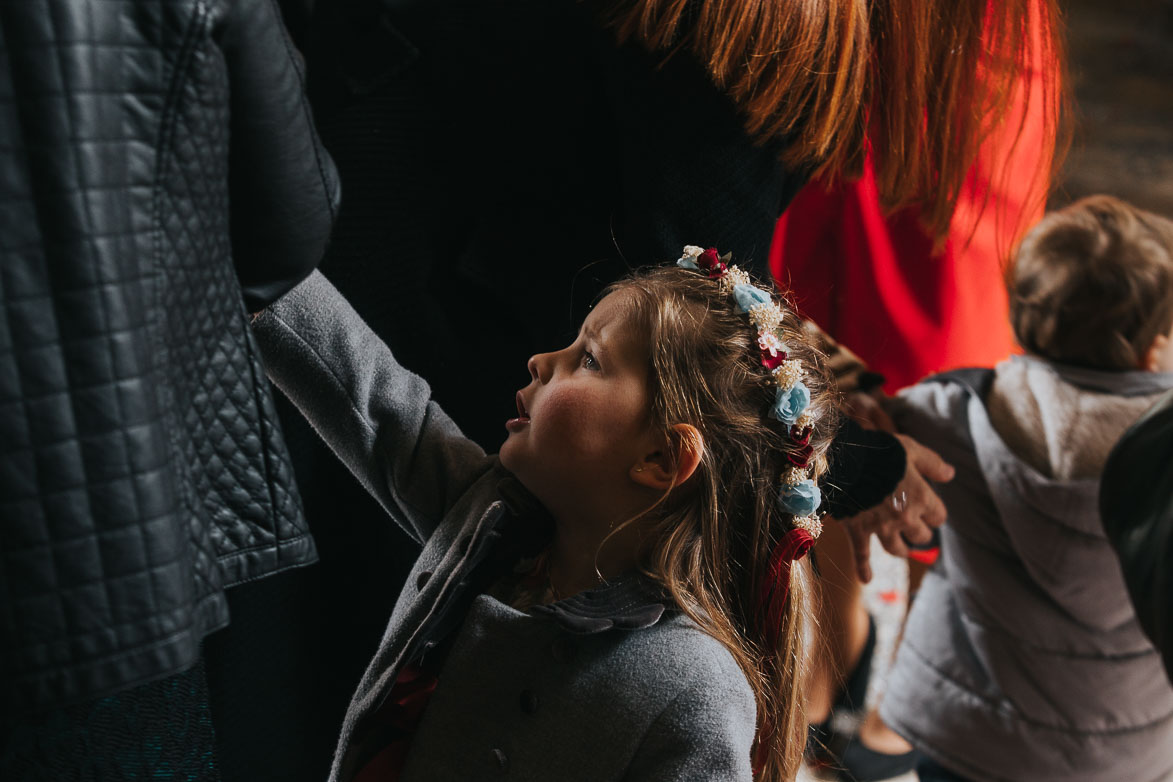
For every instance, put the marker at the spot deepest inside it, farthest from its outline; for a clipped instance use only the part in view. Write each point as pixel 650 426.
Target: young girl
pixel 621 593
pixel 1023 658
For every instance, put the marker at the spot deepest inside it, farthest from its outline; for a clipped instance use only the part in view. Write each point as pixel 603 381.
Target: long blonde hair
pixel 711 538
pixel 922 83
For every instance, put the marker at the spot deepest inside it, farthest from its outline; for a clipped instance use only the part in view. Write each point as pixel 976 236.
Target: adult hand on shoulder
pixel 908 515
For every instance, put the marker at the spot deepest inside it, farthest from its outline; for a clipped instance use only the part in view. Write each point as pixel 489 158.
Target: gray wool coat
pixel 1022 658
pixel 609 685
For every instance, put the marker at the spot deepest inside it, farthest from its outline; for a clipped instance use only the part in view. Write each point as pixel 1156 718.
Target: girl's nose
pixel 538 367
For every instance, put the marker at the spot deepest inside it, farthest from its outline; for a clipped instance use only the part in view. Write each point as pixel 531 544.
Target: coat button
pixel 562 650
pixel 422 579
pixel 529 701
pixel 501 760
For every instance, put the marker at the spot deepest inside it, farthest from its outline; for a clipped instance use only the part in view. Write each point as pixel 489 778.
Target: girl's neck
pixel 579 559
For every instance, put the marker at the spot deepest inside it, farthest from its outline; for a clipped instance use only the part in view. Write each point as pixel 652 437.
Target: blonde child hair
pixel 712 537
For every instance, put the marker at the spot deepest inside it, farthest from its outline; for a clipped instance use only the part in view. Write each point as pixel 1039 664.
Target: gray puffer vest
pixel 1023 658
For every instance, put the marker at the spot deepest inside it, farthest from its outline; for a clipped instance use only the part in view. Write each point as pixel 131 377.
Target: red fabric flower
pixel 801 457
pixel 710 262
pixel 773 362
pixel 800 436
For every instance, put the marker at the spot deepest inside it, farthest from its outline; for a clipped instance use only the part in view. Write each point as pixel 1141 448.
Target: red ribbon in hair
pixel 775 590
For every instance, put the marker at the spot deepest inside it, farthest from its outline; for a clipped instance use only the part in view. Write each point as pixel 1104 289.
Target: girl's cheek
pixel 574 418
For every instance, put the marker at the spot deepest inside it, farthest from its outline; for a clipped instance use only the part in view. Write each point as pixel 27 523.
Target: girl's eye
pixel 588 360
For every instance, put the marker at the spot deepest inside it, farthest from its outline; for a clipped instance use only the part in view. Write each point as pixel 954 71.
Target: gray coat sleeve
pixel 377 417
pixel 706 732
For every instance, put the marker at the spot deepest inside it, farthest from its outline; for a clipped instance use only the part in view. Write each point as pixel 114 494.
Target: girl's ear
pixel 673 465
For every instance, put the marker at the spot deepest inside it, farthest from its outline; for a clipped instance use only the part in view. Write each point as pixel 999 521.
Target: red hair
pixel 922 82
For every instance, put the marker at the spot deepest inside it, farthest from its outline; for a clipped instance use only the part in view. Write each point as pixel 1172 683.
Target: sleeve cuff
pixel 866 466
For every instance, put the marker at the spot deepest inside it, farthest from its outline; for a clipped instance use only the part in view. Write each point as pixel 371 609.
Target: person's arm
pixel 283 188
pixel 378 417
pixel 878 483
pixel 913 509
pixel 883 488
pixel 866 466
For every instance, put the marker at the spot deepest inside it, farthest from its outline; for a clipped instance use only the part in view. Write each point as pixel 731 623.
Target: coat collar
pixel 629 602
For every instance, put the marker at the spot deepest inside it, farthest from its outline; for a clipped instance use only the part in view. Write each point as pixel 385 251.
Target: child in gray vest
pixel 1022 658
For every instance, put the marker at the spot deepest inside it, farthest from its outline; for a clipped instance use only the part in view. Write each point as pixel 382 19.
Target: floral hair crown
pixel 798 494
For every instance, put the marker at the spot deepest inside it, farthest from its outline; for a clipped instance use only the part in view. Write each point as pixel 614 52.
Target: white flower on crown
pixel 692 252
pixel 733 277
pixel 789 373
pixel 793 476
pixel 812 524
pixel 766 316
pixel 768 342
pixel 806 419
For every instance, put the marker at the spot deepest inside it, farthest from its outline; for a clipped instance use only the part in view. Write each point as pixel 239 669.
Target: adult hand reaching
pixel 908 515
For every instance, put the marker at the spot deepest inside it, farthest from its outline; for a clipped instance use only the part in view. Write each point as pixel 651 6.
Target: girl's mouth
pixel 516 424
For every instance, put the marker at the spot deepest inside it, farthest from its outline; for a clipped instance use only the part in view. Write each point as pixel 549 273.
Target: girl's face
pixel 583 421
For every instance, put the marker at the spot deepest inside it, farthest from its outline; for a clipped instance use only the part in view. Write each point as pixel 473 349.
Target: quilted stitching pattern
pixel 206 339
pixel 141 465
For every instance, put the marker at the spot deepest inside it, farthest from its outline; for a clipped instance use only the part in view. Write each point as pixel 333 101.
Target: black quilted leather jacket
pixel 156 159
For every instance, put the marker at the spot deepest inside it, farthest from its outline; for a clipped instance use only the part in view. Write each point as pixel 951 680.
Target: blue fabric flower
pixel 801 499
pixel 688 263
pixel 789 403
pixel 748 296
